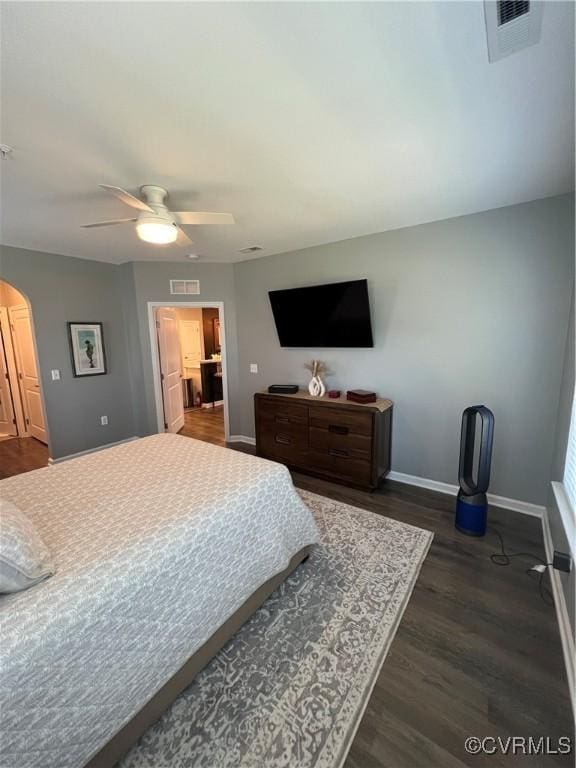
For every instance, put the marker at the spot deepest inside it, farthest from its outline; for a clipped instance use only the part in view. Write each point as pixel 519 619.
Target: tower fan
pixel 471 503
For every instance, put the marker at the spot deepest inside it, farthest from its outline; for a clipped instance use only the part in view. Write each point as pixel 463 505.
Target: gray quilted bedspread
pixel 157 542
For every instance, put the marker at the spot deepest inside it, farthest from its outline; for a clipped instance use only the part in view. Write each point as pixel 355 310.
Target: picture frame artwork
pixel 87 349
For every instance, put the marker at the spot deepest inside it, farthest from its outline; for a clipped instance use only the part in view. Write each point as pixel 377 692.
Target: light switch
pixel 104 421
pixel 55 374
pixel 253 367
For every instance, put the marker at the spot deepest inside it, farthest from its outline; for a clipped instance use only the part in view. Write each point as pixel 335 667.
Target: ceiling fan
pixel 155 223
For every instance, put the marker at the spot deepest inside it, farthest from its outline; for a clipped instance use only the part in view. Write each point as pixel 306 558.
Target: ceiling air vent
pixel 184 287
pixel 511 25
pixel 251 249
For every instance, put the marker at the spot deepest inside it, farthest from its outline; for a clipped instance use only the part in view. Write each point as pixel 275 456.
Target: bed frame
pixel 113 751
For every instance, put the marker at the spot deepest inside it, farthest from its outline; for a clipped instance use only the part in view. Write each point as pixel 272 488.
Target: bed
pixel 164 546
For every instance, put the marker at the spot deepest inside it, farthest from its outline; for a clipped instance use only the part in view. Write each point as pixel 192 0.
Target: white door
pixel 27 371
pixel 170 368
pixel 191 341
pixel 7 420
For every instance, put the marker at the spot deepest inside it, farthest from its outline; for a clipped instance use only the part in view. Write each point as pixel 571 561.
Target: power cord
pixel 504 558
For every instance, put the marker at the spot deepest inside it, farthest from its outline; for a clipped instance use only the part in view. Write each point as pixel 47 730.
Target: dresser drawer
pixel 280 412
pixel 345 446
pixel 286 434
pixel 289 445
pixel 356 471
pixel 340 421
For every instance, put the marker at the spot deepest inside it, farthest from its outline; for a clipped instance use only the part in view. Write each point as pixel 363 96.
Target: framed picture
pixel 87 349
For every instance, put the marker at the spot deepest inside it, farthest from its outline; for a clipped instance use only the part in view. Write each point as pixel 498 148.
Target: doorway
pixel 22 413
pixel 189 364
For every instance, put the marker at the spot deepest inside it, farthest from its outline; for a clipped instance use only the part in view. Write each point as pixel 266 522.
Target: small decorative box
pixel 361 396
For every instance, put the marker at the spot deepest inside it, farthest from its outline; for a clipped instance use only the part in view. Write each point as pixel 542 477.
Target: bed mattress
pixel 157 542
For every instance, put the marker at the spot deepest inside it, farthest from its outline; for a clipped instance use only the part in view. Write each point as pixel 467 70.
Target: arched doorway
pixel 22 413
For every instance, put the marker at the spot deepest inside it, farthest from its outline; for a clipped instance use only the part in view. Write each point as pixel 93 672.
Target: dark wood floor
pixel 21 454
pixel 205 424
pixel 477 653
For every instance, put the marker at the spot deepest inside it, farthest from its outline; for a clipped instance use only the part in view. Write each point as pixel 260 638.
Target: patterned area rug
pixel 291 686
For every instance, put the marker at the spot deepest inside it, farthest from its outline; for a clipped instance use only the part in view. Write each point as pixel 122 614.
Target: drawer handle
pixel 282 439
pixel 338 452
pixel 282 419
pixel 336 429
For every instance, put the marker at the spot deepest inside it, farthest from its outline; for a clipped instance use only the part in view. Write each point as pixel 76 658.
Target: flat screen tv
pixel 334 315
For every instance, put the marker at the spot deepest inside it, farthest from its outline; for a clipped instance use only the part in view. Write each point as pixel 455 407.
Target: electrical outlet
pixel 253 367
pixel 104 421
pixel 55 374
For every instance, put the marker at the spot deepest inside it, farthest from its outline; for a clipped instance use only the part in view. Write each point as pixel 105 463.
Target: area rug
pixel 290 688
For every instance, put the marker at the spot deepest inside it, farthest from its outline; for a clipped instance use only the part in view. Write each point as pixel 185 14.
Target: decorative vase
pixel 316 387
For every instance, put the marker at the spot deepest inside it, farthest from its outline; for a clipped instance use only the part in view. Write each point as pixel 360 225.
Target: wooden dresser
pixel 336 439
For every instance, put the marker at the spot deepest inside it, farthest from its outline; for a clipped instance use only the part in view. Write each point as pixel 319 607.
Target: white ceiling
pixel 310 122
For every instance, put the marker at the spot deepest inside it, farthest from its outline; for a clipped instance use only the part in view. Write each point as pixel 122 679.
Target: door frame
pixel 18 399
pixel 152 307
pixel 16 347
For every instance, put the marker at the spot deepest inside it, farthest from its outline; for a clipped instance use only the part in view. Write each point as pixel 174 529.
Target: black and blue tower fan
pixel 471 504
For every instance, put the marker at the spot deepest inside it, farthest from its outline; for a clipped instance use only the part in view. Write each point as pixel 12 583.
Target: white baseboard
pixel 562 616
pixel 241 439
pixel 423 482
pixel 525 507
pixel 90 450
pixel 215 404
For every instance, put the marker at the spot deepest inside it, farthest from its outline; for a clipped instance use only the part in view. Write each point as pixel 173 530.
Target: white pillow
pixel 24 558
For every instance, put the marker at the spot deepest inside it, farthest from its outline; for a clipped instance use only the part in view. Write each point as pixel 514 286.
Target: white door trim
pixel 152 307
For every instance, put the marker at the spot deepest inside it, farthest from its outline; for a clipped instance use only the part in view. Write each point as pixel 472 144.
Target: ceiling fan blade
pixel 107 223
pixel 199 217
pixel 126 197
pixel 183 238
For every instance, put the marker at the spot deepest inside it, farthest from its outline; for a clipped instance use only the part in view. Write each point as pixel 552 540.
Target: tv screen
pixel 334 315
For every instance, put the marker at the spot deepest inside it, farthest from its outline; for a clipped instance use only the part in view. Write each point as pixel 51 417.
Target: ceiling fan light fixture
pixel 156 223
pixel 157 232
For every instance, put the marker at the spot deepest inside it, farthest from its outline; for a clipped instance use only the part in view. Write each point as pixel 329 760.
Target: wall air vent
pixel 251 249
pixel 508 10
pixel 184 287
pixel 511 25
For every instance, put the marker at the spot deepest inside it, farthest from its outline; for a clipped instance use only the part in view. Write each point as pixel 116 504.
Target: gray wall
pixel 62 289
pixel 468 310
pixel 557 531
pixel 150 281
